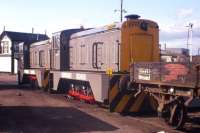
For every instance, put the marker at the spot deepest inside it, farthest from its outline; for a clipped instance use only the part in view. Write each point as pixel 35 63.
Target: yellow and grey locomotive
pixel 117 64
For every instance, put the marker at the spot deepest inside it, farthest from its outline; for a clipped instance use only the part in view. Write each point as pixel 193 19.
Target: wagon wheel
pixel 176 116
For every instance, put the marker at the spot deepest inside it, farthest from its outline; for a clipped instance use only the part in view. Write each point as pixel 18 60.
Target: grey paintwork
pixel 35 58
pixel 95 52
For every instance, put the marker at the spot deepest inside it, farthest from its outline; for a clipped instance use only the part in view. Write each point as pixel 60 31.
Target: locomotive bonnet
pixel 114 46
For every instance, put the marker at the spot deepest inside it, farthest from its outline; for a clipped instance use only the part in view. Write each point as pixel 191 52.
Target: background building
pixel 175 55
pixel 9 48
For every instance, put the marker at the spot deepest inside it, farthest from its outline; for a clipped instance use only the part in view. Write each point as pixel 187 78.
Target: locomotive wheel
pixel 176 116
pixel 50 91
pixel 19 78
pixel 34 84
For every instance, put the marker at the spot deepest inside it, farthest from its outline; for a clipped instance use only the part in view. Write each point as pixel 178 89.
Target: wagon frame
pixel 171 97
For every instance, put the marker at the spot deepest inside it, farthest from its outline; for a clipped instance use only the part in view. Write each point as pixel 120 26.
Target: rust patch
pixel 174 71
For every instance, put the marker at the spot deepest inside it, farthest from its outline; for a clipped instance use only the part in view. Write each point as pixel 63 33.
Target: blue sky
pixel 54 15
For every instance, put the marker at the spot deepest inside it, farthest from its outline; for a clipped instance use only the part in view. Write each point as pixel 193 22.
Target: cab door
pixel 97 55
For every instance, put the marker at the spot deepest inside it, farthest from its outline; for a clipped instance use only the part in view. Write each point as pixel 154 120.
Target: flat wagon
pixel 172 86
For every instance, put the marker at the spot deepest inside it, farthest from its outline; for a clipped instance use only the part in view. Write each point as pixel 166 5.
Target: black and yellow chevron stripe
pixel 45 80
pixel 122 100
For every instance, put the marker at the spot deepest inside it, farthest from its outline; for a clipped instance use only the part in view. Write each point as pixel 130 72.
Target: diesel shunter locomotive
pixel 117 65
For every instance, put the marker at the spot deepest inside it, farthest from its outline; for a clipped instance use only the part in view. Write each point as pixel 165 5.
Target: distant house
pixel 9 48
pixel 175 55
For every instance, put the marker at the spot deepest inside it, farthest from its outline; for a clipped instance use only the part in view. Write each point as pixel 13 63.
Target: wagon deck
pixel 179 75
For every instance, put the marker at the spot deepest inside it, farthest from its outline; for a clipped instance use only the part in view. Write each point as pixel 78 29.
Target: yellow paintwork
pixel 113 92
pixel 137 103
pixel 109 71
pixel 138 45
pixel 122 104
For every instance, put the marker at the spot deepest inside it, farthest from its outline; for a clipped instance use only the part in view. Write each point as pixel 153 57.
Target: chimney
pixel 32 30
pixel 81 27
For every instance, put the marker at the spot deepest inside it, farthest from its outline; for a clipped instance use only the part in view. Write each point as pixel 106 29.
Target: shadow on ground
pixel 16 86
pixel 8 86
pixel 49 120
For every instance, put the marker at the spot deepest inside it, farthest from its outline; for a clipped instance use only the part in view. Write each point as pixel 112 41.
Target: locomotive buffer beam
pixel 122 98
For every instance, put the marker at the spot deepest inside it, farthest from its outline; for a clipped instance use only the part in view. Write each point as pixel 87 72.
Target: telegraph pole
pixel 122 11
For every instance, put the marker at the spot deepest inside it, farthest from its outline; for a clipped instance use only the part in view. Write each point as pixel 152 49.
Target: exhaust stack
pixel 132 16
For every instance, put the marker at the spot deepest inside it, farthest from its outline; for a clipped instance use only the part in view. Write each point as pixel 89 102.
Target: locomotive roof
pixel 68 31
pixel 110 27
pixel 40 43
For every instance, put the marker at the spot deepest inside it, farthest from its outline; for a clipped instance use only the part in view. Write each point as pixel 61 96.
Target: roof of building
pixel 24 37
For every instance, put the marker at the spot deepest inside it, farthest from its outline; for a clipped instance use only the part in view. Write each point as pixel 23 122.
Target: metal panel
pixel 141 46
pixel 40 54
pixel 60 49
pixel 99 82
pixel 100 51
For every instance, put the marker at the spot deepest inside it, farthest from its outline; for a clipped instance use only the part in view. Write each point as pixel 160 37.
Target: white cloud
pixel 184 13
pixel 175 34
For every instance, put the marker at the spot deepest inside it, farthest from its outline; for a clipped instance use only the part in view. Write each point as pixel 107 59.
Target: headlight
pixel 26 71
pixel 171 90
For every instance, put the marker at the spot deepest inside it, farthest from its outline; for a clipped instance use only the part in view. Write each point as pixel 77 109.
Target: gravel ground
pixel 26 110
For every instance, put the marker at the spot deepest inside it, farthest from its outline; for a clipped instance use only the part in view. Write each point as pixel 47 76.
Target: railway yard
pixel 28 110
pixel 135 75
pixel 74 80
